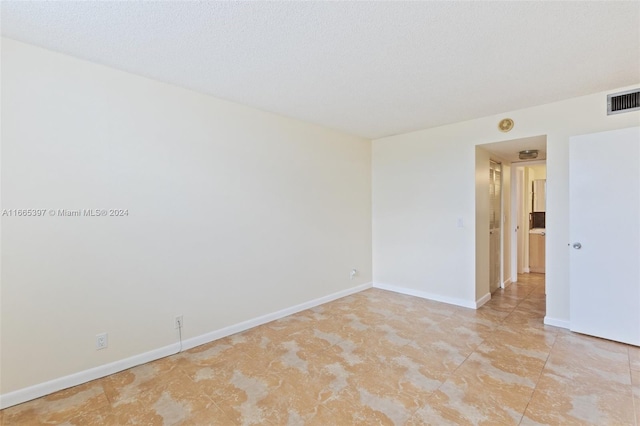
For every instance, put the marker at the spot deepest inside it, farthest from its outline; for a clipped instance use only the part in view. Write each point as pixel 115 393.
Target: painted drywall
pixel 233 213
pixel 418 243
pixel 539 171
pixel 424 181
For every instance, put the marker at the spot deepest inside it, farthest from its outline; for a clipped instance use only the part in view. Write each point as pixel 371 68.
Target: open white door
pixel 605 234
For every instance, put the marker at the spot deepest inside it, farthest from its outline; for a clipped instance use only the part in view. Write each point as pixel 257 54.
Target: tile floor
pixel 373 358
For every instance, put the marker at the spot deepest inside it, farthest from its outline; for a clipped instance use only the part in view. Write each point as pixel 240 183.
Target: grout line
pixel 634 403
pixel 539 375
pixel 224 413
pixel 535 388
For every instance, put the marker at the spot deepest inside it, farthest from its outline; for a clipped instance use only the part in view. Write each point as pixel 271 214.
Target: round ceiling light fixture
pixel 505 125
pixel 528 154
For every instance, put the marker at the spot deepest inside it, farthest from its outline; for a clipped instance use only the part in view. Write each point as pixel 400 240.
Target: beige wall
pixel 423 181
pixel 539 171
pixel 234 213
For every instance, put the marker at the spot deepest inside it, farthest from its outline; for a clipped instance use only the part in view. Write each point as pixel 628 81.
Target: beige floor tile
pixel 634 357
pixel 506 304
pixel 134 413
pixel 396 376
pixel 437 361
pixel 588 359
pixel 635 383
pixel 375 357
pixel 136 383
pixel 101 416
pixel 213 415
pixel 517 291
pixel 234 380
pixel 559 400
pixel 429 416
pixel 463 330
pixel 377 388
pixel 276 405
pixel 533 307
pixel 365 408
pixel 466 405
pixel 219 351
pixel 524 322
pixel 526 363
pixel 169 396
pixel 478 392
pixel 524 338
pixel 493 316
pixel 60 406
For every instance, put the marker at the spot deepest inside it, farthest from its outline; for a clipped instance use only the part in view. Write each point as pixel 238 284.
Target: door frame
pixel 519 238
pixel 482 263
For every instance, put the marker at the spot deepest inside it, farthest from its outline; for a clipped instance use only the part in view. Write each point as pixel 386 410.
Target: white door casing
pixel 604 173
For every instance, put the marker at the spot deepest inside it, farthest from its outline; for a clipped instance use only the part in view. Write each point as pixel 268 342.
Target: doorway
pixel 529 195
pixel 502 218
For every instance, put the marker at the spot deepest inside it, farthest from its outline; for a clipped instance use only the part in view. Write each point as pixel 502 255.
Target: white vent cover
pixel 623 102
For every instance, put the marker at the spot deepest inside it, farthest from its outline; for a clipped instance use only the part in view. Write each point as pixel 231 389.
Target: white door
pixel 605 234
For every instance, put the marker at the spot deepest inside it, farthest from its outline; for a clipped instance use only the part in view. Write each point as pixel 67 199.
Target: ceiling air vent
pixel 623 102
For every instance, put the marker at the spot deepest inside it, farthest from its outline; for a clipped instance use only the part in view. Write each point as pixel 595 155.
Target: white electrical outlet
pixel 102 341
pixel 179 322
pixel 353 273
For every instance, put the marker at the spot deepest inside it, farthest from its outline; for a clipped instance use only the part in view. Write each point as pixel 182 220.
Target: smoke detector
pixel 528 154
pixel 505 125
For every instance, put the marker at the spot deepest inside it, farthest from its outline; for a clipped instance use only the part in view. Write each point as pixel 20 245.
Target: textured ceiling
pixel 368 68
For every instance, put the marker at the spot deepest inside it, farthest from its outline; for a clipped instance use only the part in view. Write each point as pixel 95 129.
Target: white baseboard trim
pixel 426 295
pixel 557 322
pixel 484 299
pixel 36 391
pixel 42 389
pixel 526 270
pixel 507 283
pixel 254 322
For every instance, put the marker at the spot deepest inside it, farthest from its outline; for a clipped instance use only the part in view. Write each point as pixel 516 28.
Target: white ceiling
pixel 367 68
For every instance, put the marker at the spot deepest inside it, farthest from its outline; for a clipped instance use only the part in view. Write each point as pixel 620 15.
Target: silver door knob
pixel 577 246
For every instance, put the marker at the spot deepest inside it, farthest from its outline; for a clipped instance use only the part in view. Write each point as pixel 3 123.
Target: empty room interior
pixel 322 213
